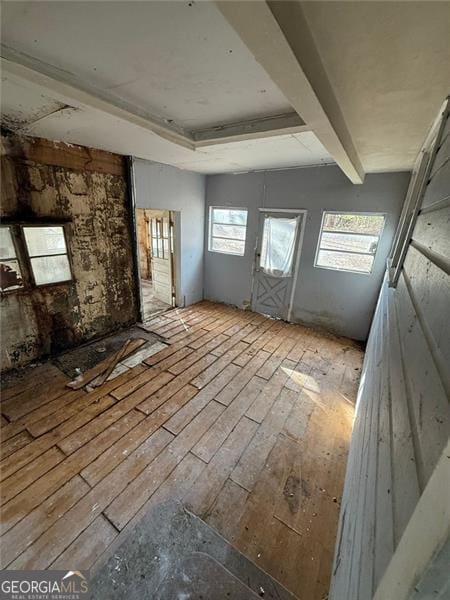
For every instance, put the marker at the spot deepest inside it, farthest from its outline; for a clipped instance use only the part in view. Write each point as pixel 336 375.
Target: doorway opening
pixel 277 258
pixel 155 237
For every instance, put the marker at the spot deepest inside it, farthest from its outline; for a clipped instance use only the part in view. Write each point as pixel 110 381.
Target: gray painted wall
pixel 165 187
pixel 402 423
pixel 341 302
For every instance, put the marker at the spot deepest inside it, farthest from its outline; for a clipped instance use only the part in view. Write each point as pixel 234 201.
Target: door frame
pixel 301 234
pixel 175 219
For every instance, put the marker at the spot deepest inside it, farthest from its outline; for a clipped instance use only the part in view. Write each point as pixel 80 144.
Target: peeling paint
pixel 38 321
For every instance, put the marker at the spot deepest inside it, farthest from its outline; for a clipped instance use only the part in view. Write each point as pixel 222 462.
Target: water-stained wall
pixel 47 182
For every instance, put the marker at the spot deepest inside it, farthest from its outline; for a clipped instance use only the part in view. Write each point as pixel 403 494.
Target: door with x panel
pixel 275 262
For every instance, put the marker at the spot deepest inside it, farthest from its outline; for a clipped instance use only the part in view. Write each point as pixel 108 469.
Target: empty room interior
pixel 225 300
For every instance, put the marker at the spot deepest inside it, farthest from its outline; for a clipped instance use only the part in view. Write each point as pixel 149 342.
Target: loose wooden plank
pixel 97 376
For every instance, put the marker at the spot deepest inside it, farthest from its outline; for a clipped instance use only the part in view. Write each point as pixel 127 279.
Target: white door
pixel 161 232
pixel 275 263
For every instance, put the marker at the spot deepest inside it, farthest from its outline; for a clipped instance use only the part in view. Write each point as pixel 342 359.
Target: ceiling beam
pixel 250 130
pixel 278 35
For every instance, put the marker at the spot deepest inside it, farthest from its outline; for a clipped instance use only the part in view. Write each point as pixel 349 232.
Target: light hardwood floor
pixel 244 419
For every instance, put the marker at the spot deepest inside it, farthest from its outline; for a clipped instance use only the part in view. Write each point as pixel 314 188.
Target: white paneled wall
pixel 402 420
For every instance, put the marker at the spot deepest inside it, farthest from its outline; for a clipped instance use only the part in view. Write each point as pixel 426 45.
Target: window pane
pixel 6 244
pixel 45 240
pixel 278 244
pixel 165 228
pixel 228 246
pixel 350 242
pixel 229 231
pixel 51 269
pixel 354 223
pixel 229 215
pixel 10 275
pixel 361 263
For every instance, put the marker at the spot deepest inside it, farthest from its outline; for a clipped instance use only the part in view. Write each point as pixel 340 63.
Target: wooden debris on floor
pixel 245 419
pixel 132 352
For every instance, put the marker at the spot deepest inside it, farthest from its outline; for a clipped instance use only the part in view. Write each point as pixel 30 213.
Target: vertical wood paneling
pixel 405 484
pixel 432 229
pixel 429 289
pixel 402 423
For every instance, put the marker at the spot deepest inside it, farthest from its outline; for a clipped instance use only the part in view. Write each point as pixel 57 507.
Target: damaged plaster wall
pixel 48 182
pixel 338 301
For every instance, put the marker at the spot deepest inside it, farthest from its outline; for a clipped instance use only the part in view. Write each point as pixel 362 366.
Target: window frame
pixel 13 234
pixel 29 257
pixel 210 229
pixel 356 213
pixel 23 256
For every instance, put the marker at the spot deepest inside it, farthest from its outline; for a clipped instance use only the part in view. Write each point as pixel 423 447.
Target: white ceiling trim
pixel 70 94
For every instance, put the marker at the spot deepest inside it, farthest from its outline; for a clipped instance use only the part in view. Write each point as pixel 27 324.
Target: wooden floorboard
pixel 244 419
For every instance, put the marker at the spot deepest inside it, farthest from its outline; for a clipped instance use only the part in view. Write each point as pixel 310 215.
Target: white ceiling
pixel 177 60
pixel 182 65
pixel 389 66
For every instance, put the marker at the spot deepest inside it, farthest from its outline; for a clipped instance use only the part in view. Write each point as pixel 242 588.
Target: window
pixel 10 274
pixel 278 244
pixel 160 238
pixel 47 250
pixel 227 230
pixel 349 241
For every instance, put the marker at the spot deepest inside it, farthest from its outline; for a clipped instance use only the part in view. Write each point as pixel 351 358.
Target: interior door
pixel 275 263
pixel 161 230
